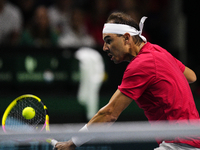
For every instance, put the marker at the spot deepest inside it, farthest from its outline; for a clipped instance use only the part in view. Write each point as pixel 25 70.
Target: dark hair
pixel 122 18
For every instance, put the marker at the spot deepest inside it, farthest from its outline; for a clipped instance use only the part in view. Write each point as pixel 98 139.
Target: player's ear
pixel 127 37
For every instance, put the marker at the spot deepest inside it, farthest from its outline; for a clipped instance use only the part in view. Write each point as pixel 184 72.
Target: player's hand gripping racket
pixel 53 142
pixel 27 113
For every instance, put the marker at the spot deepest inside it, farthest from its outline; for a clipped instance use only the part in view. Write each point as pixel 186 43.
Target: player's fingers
pixel 56 147
pixel 63 146
pixel 59 146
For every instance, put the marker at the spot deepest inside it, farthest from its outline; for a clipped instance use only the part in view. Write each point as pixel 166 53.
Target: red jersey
pixel 155 80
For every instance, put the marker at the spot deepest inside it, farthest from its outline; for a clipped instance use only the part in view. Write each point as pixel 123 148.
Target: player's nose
pixel 105 47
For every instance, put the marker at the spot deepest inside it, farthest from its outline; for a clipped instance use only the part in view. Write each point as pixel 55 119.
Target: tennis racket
pixel 13 121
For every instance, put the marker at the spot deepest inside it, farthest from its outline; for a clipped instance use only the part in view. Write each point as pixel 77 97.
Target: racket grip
pixel 53 142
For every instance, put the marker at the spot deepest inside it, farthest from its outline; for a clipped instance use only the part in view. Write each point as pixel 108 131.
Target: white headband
pixel 122 29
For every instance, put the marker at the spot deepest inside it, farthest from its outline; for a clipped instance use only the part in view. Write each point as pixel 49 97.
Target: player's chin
pixel 116 61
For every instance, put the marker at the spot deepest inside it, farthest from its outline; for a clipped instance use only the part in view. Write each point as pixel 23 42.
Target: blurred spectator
pixel 96 19
pixel 46 3
pixel 76 35
pixel 39 33
pixel 27 8
pixel 59 14
pixel 130 7
pixel 126 5
pixel 157 24
pixel 10 23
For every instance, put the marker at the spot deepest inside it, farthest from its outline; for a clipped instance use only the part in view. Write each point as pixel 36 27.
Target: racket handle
pixel 53 142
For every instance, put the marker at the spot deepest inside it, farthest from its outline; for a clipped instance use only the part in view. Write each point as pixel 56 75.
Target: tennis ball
pixel 28 113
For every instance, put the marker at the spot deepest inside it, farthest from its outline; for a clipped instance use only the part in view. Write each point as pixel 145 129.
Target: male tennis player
pixel 154 79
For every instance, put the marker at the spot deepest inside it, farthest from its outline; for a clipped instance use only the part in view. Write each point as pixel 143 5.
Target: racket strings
pixel 16 122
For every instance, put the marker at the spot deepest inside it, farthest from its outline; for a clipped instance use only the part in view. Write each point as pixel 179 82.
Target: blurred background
pixel 50 48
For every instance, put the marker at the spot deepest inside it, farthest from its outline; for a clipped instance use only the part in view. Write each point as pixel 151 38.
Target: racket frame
pixel 14 102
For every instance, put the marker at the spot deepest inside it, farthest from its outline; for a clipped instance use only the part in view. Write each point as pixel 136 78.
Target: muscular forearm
pixel 104 115
pixel 111 112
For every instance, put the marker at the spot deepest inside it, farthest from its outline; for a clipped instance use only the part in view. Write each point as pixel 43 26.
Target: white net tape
pixel 119 132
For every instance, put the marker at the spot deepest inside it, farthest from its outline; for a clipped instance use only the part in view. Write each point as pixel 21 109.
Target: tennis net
pixel 126 135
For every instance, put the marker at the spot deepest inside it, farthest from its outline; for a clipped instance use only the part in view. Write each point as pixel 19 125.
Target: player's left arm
pixel 190 75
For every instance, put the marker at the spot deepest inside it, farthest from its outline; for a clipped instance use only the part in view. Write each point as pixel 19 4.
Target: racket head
pixel 13 121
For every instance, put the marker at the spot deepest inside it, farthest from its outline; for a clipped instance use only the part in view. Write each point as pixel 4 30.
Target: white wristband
pixel 80 140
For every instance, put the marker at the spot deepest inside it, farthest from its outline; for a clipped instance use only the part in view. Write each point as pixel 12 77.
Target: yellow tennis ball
pixel 28 113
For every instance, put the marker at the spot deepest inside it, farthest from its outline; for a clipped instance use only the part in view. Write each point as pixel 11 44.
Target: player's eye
pixel 108 41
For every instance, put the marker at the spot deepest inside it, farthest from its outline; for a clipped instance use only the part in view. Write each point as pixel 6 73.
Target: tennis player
pixel 154 79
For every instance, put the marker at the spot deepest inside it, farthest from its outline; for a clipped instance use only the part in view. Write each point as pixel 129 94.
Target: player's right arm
pixel 107 114
pixel 111 112
pixel 190 75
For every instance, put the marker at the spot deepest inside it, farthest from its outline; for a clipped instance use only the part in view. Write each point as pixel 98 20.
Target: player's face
pixel 115 47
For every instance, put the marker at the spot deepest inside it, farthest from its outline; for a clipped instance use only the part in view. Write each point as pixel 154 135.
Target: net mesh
pixel 15 121
pixel 120 136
